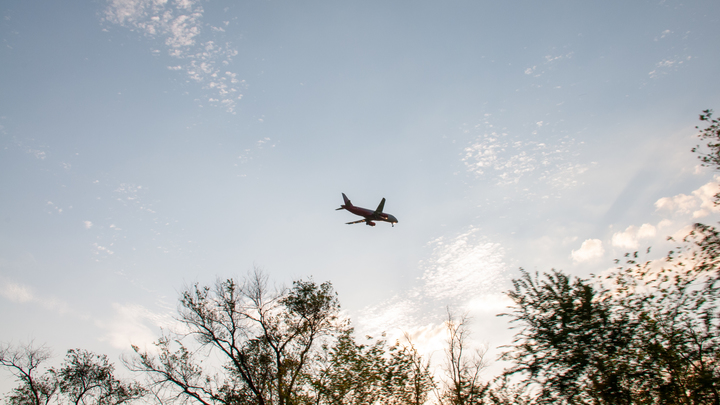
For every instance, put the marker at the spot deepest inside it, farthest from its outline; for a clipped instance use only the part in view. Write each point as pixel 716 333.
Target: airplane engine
pixel 370 223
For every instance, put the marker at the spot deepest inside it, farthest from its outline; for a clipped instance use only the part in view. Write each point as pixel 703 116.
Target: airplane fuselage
pixel 369 215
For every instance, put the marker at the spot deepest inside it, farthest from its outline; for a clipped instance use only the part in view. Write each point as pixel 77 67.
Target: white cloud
pixel 680 203
pixel 129 324
pixel 646 231
pixel 629 238
pixel 700 204
pixel 668 65
pixel 463 267
pixel 132 324
pixel 465 273
pixel 589 250
pixel 508 159
pixel 15 292
pixel 20 293
pixel 88 224
pixel 180 24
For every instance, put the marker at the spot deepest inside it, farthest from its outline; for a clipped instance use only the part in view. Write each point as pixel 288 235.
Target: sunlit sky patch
pixel 149 144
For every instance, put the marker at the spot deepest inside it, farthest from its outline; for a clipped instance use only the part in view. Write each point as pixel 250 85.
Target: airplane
pixel 370 216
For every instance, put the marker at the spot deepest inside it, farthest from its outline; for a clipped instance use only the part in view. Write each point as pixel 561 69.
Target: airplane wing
pixel 381 206
pixel 356 222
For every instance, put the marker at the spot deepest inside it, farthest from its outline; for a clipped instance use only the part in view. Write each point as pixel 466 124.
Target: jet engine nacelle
pixel 370 223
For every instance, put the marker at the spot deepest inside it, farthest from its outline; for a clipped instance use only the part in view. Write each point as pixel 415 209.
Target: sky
pixel 146 145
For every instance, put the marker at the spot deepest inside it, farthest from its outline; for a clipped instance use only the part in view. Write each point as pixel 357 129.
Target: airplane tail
pixel 347 203
pixel 380 207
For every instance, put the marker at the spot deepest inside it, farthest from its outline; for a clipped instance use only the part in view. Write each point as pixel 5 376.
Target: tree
pixel 283 347
pixel 23 363
pixel 351 373
pixel 348 372
pixel 648 333
pixel 84 378
pixel 712 134
pixel 267 341
pixel 87 378
pixel 570 341
pixel 463 386
pixel 407 376
pixel 676 302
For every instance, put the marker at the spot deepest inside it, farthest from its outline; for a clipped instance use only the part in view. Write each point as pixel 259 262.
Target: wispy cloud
pixel 179 25
pixel 21 293
pixel 127 324
pixel 506 158
pixel 464 272
pixel 547 63
pixel 132 324
pixel 462 267
pixel 16 292
pixel 667 66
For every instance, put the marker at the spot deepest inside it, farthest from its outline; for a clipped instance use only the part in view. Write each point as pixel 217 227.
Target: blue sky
pixel 146 145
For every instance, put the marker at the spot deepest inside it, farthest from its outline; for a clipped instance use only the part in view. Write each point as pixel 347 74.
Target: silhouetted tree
pixel 23 363
pixel 87 378
pixel 267 341
pixel 712 134
pixel 463 386
pixel 83 378
pixel 282 347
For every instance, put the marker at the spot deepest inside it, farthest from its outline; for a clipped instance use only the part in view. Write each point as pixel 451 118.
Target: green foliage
pixel 569 340
pixel 648 333
pixel 356 374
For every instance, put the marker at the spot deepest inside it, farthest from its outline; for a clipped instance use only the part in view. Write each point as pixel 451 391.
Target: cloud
pixel 589 250
pixel 629 238
pixel 668 65
pixel 548 62
pixel 129 324
pixel 132 324
pixel 463 267
pixel 464 272
pixel 179 24
pixel 16 292
pixel 677 213
pixel 699 204
pixel 88 224
pixel 508 159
